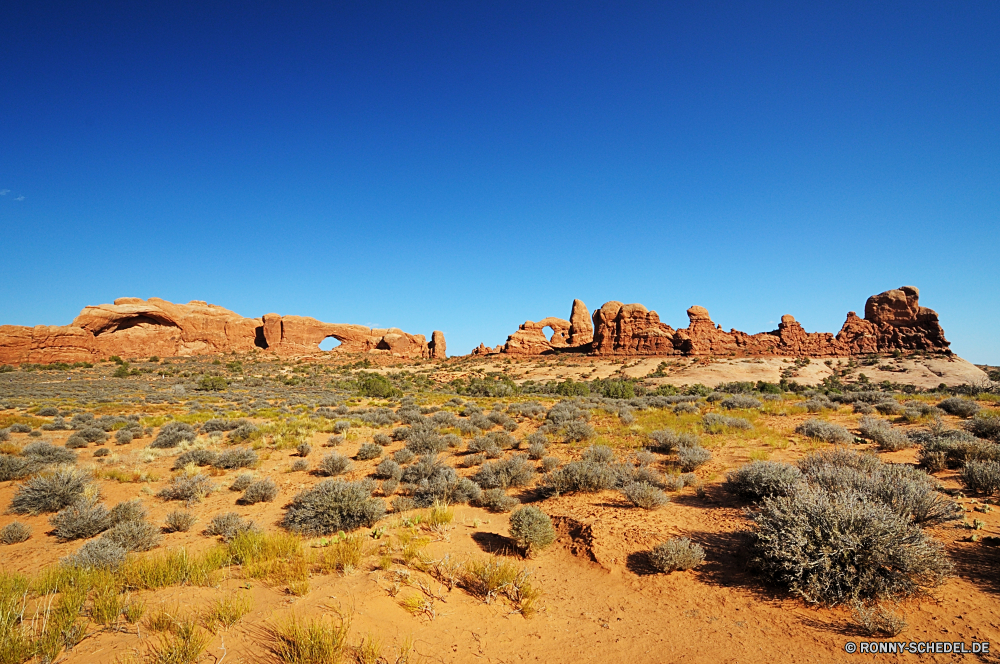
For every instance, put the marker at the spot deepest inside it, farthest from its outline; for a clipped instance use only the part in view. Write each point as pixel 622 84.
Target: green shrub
pixel 531 529
pixel 212 384
pixel 883 434
pixel 375 385
pixel 959 407
pixel 331 506
pixel 759 479
pixel 333 464
pixel 368 451
pixel 50 492
pixel 505 473
pixel 190 489
pixel 690 458
pixel 676 554
pixel 579 476
pixel 842 547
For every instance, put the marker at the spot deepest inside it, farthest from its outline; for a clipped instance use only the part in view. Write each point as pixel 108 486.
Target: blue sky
pixel 468 166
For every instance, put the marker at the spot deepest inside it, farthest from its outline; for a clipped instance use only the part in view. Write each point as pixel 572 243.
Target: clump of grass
pixel 875 619
pixel 676 554
pixel 344 554
pixel 491 578
pixel 183 643
pixel 531 529
pixel 308 641
pixel 226 611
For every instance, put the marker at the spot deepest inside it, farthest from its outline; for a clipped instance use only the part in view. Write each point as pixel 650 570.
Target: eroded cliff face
pixel 132 327
pixel 893 320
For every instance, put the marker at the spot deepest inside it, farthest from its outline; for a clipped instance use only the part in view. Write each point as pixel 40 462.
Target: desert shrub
pixel 759 479
pixel 190 489
pixel 668 440
pixel 536 451
pixel 531 529
pixel 403 456
pixel 97 554
pixel 333 505
pixel 133 536
pixel 379 417
pixel 334 441
pixel 549 463
pixel 483 446
pixel 388 469
pixel 173 434
pixel 942 448
pixel 48 411
pixel 686 408
pixel 579 431
pixel 375 385
pixel 179 521
pixel 303 449
pixel 389 487
pixel 382 439
pixel 690 458
pixel 473 460
pixel 446 491
pixel 92 435
pixel 229 526
pixel 505 473
pixel 333 464
pixel 828 432
pixel 818 404
pixel 838 547
pixel 242 481
pixel 676 554
pixel 196 457
pixel 19 428
pixel 209 383
pixel 981 477
pixel 75 442
pixel 889 407
pixel 261 491
pixel 496 500
pixel 908 492
pixel 243 432
pixel 580 476
pixel 238 457
pixel 15 468
pixel 444 419
pixel 47 453
pixel 368 451
pixel 50 492
pixel 123 437
pixel 300 465
pixel 985 425
pixel 875 619
pixel 914 410
pixel 15 532
pixel 860 407
pixel 598 454
pixel 959 407
pixel 716 423
pixel 883 434
pixel 127 510
pixel 739 401
pixel 644 495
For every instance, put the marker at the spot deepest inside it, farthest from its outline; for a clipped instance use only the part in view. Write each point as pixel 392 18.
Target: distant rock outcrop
pixel 438 349
pixel 132 327
pixel 893 320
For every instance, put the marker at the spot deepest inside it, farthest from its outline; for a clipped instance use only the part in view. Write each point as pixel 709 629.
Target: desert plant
pixel 300 465
pixel 404 456
pixel 15 532
pixel 496 500
pixel 531 529
pixel 740 401
pixel 196 457
pixel 191 489
pixel 758 479
pixel 644 495
pixel 261 491
pixel 333 505
pixel 303 449
pixel 16 468
pixel 179 521
pixel 875 619
pixel 84 518
pixel 676 554
pixel 959 406
pixel 46 453
pixel 173 434
pixel 382 439
pixel 579 431
pixel 985 425
pixel 239 457
pixel 580 476
pixel 828 432
pixel 123 436
pixel 312 641
pixel 598 454
pixel 690 458
pixel 878 553
pixel 883 434
pixel 716 423
pixel 536 451
pixel 388 469
pixel 97 554
pixel 229 525
pixel 505 473
pixel 889 407
pixel 368 451
pixel 133 536
pixel 981 477
pixel 549 463
pixel 333 464
pixel 50 492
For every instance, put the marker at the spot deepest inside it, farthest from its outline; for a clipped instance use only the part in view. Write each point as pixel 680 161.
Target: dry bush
pixel 579 476
pixel 179 521
pixel 740 401
pixel 959 407
pixel 15 532
pixel 828 432
pixel 81 520
pixel 985 425
pixel 506 473
pixel 531 529
pixel 190 489
pixel 50 492
pixel 133 536
pixel 368 451
pixel 496 500
pixel 196 457
pixel 690 458
pixel 239 457
pixel 644 495
pixel 759 479
pixel 331 506
pixel 229 525
pixel 875 619
pixel 333 463
pixel 388 469
pixel 172 434
pixel 242 481
pixel 716 423
pixel 981 477
pixel 887 437
pixel 98 554
pixel 261 491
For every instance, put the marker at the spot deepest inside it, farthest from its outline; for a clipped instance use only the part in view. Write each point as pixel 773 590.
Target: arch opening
pixel 329 343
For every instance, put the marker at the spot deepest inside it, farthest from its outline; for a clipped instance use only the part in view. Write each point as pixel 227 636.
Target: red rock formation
pixel 132 327
pixel 894 320
pixel 437 347
pixel 581 330
pixel 530 337
pixel 630 329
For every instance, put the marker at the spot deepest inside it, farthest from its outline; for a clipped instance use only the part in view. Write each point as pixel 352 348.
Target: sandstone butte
pixel 133 327
pixel 894 320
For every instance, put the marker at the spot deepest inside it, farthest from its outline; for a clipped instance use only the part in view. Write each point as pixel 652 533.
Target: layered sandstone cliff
pixel 132 327
pixel 893 320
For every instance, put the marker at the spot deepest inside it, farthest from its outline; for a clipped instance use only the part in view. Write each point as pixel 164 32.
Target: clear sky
pixel 467 166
